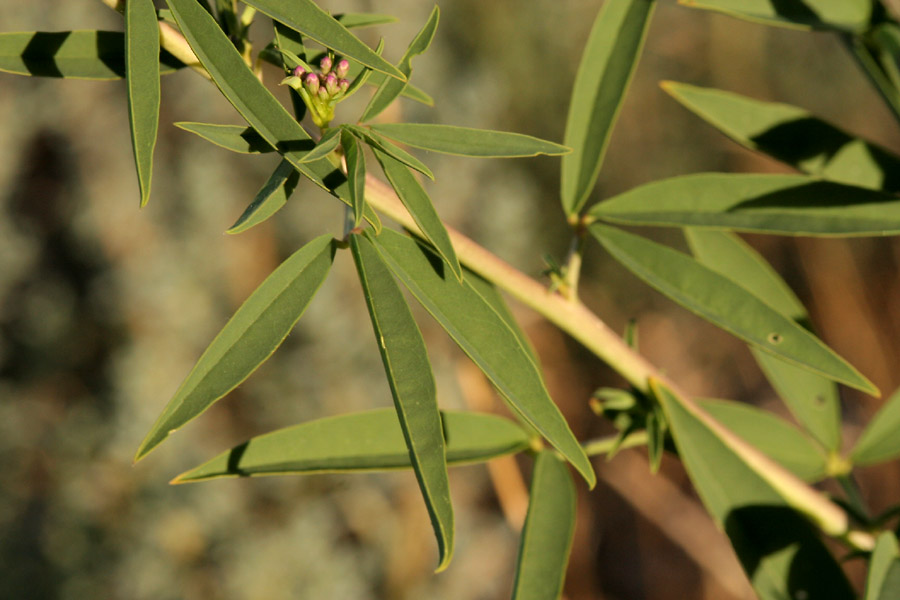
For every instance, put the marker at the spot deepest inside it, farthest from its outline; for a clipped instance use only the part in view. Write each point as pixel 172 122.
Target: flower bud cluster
pixel 321 89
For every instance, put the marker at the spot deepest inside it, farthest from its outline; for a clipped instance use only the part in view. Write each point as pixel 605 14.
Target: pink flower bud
pixel 331 84
pixel 311 81
pixel 325 64
pixel 322 93
pixel 343 85
pixel 342 67
pixel 299 71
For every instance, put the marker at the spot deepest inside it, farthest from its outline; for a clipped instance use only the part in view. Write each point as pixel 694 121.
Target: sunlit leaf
pixel 142 81
pixel 485 338
pixel 883 582
pixel 419 205
pixel 84 54
pixel 367 441
pixel 547 534
pixel 412 386
pixel 880 440
pixel 313 22
pixel 779 204
pixel 793 136
pixel 248 339
pixel 771 435
pixel 607 65
pixel 491 295
pixel 846 15
pixel 465 141
pixel 325 146
pixel 231 137
pixel 356 174
pixel 269 199
pixel 726 304
pixel 389 89
pixel 288 41
pixel 378 142
pixel 811 398
pixel 359 20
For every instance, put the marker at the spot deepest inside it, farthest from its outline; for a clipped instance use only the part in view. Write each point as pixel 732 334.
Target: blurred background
pixel 105 307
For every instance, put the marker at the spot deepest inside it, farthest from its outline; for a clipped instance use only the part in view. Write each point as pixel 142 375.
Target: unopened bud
pixel 311 81
pixel 342 68
pixel 322 93
pixel 299 71
pixel 343 85
pixel 325 64
pixel 331 84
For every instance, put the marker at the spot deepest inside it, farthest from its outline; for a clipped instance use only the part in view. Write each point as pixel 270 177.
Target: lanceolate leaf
pixel 142 78
pixel 356 174
pixel 779 204
pixel 387 147
pixel 846 15
pixel 792 135
pixel 412 385
pixel 367 441
pixel 325 146
pixel 289 41
pixel 409 90
pixel 419 205
pixel 269 200
pixel 778 548
pixel 82 54
pixel 811 398
pixel 316 24
pixel 547 534
pixel 231 137
pixel 726 304
pixel 609 60
pixel 391 88
pixel 465 141
pixel 359 20
pixel 883 582
pixel 248 339
pixel 484 336
pixel 880 440
pixel 771 435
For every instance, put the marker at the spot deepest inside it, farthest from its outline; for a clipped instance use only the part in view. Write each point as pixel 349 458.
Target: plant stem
pixel 572 269
pixel 605 444
pixel 870 65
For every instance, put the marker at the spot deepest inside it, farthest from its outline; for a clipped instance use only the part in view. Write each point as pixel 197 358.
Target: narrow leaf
pixel 548 531
pixel 85 54
pixel 485 338
pixel 755 504
pixel 248 339
pixel 391 88
pixel 412 386
pixel 356 174
pixel 142 79
pixel 491 295
pixel 811 398
pixel 845 15
pixel 288 41
pixel 313 22
pixel 771 435
pixel 325 146
pixel 231 137
pixel 779 204
pixel 726 304
pixel 367 441
pixel 419 205
pixel 409 90
pixel 465 141
pixel 793 136
pixel 358 20
pixel 269 199
pixel 377 142
pixel 883 582
pixel 880 441
pixel 607 65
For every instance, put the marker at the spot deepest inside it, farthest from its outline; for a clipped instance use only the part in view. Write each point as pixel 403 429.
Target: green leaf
pixel 811 398
pixel 419 205
pixel 388 91
pixel 778 548
pixel 548 531
pixel 358 20
pixel 465 141
pixel 485 338
pixel 409 90
pixel 142 79
pixel 85 54
pixel 231 137
pixel 412 386
pixel 845 15
pixel 253 101
pixel 771 435
pixel 269 199
pixel 880 440
pixel 793 136
pixel 288 42
pixel 248 339
pixel 883 582
pixel 313 22
pixel 726 304
pixel 366 441
pixel 377 142
pixel 779 204
pixel 607 65
pixel 325 146
pixel 356 174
